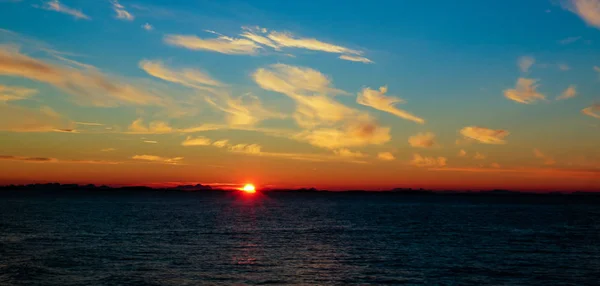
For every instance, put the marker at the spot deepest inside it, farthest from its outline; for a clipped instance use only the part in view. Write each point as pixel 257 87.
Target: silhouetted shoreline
pixel 54 187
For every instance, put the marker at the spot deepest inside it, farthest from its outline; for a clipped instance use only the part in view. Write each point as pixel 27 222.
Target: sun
pixel 249 188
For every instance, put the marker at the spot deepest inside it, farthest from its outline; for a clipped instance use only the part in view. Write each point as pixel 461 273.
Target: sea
pixel 297 238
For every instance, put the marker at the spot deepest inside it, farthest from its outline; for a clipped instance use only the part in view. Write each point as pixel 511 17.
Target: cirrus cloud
pixel 56 6
pixel 570 92
pixel 378 100
pixel 593 111
pixel 525 91
pixel 485 135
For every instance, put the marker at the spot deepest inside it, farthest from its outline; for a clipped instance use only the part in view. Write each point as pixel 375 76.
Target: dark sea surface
pixel 218 238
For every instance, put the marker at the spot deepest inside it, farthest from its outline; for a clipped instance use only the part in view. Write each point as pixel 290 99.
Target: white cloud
pixel 569 40
pixel 378 100
pixel 356 59
pixel 570 92
pixel 287 39
pixel 525 63
pixel 430 162
pixel 386 156
pixel 147 27
pixel 150 141
pixel 485 135
pixel 197 141
pixel 120 11
pixel 222 44
pixel 55 5
pixel 422 140
pixel 524 92
pixel 593 111
pixel 245 110
pixel 12 93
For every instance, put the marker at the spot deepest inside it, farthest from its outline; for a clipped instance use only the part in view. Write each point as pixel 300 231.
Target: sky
pixel 371 95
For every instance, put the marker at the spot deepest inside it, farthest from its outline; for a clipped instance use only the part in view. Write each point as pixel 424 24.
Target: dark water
pixel 311 239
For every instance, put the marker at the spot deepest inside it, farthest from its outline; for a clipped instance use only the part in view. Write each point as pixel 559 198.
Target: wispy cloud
pixel 154 127
pixel 429 162
pixel 378 100
pixel 28 159
pixel 462 153
pixel 356 59
pixel 108 150
pixel 89 86
pixel 588 10
pixel 569 40
pixel 55 5
pixel 524 92
pixel 54 160
pixel 158 159
pixel 245 110
pixel 150 141
pixel 525 63
pixel 547 159
pixel 120 11
pixel 89 123
pixel 23 119
pixel 327 123
pixel 570 92
pixel 188 77
pixel 422 140
pixel 485 135
pixel 344 152
pixel 196 141
pixel 222 44
pixel 386 156
pixel 593 111
pixel 12 93
pixel 479 156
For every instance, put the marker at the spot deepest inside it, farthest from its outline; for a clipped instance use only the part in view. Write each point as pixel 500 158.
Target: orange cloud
pixel 21 119
pixel 479 156
pixel 188 77
pixel 378 100
pixel 588 10
pixel 246 110
pixel 430 162
pixel 222 44
pixel 344 152
pixel 198 141
pixel 593 111
pixel 155 127
pixel 462 153
pixel 87 85
pixel 524 92
pixel 386 156
pixel 422 140
pixel 12 93
pixel 485 135
pixel 547 159
pixel 568 93
pixel 158 159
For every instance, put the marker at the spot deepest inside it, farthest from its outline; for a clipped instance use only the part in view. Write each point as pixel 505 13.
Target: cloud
pixel 569 40
pixel 22 119
pixel 87 85
pixel 55 5
pixel 422 140
pixel 28 159
pixel 386 156
pixel 524 92
pixel 495 165
pixel 286 39
pixel 377 99
pixel 430 162
pixel 588 10
pixel 593 111
pixel 344 152
pixel 89 123
pixel 120 11
pixel 147 27
pixel 158 159
pixel 568 93
pixel 198 141
pixel 12 93
pixel 155 127
pixel 188 77
pixel 150 141
pixel 525 63
pixel 221 143
pixel 479 156
pixel 246 148
pixel 462 153
pixel 107 150
pixel 326 122
pixel 485 135
pixel 564 67
pixel 54 160
pixel 222 44
pixel 245 110
pixel 356 59
pixel 547 159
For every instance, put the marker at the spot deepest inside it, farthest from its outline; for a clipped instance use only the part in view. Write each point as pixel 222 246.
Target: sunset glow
pixel 249 188
pixel 411 96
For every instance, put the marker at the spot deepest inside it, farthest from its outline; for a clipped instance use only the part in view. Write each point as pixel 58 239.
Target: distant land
pixel 51 187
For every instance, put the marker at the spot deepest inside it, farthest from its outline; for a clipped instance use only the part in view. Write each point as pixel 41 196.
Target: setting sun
pixel 249 188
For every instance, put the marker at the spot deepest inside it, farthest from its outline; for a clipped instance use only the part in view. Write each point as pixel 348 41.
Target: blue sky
pixel 308 83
